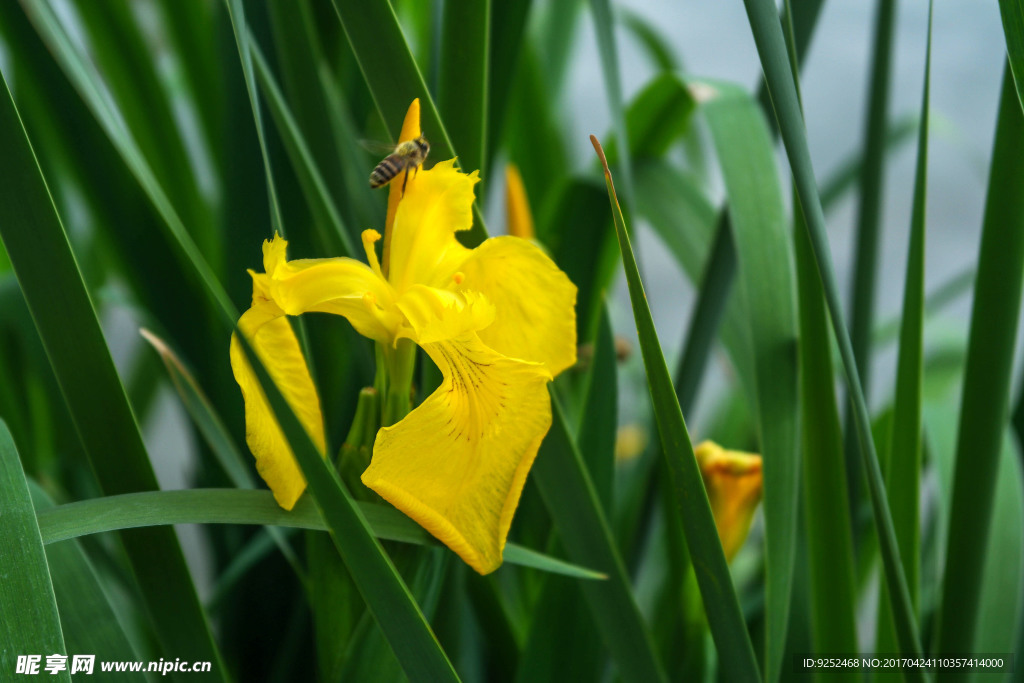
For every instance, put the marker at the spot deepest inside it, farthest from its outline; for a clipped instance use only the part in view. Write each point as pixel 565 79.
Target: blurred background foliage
pixel 175 136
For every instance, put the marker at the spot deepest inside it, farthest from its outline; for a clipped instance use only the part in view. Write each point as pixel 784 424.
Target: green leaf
pixel 1012 12
pixel 570 497
pixel 659 51
pixel 736 654
pixel 775 62
pixel 604 26
pixel 67 324
pixel 236 10
pixel 994 317
pixel 88 83
pixel 658 116
pixel 508 25
pixel 88 619
pixel 597 430
pixel 333 235
pixel 215 433
pixel 233 506
pixel 462 93
pixel 827 515
pixel 903 469
pixel 765 267
pixel 30 624
pixel 1001 589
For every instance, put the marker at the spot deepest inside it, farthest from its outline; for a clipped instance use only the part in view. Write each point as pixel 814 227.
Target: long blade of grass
pixel 736 653
pixel 604 25
pixel 234 506
pixel 997 296
pixel 395 80
pixel 1012 12
pixel 236 10
pixel 67 323
pixel 87 618
pixel 462 93
pixel 827 513
pixel 89 86
pixel 579 517
pixel 745 151
pixel 869 213
pixel 905 446
pixel 215 433
pixel 508 26
pixel 337 238
pixel 387 596
pixel 30 624
pixel 775 61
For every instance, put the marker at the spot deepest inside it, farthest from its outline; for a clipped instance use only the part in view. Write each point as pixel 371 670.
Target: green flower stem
pixel 399 363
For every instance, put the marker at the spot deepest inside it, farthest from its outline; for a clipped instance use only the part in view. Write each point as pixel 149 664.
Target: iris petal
pixel 536 302
pixel 268 331
pixel 458 462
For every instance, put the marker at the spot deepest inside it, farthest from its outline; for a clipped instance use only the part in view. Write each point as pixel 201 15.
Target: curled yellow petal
pixel 423 245
pixel 270 335
pixel 733 481
pixel 535 301
pixel 458 462
pixel 517 206
pixel 341 286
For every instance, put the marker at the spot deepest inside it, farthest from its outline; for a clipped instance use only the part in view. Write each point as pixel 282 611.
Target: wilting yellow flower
pixel 498 321
pixel 733 482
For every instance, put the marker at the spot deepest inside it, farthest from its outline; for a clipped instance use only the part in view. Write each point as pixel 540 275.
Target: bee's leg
pixel 405 181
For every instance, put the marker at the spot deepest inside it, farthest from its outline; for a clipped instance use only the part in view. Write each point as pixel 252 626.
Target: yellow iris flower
pixel 498 321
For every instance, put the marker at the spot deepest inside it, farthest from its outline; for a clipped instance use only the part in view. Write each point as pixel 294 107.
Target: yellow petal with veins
pixel 269 333
pixel 535 300
pixel 733 481
pixel 458 462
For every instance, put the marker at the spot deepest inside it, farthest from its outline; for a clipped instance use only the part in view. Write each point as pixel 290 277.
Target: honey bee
pixel 408 156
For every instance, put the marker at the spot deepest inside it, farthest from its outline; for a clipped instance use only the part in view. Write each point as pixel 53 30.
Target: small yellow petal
pixel 534 300
pixel 458 462
pixel 423 245
pixel 517 206
pixel 733 481
pixel 274 341
pixel 410 131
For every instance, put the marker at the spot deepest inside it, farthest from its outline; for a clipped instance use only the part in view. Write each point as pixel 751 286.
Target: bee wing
pixel 377 147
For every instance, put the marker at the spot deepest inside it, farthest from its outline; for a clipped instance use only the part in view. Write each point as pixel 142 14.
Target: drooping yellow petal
pixel 535 301
pixel 342 286
pixel 733 481
pixel 517 206
pixel 423 245
pixel 268 331
pixel 458 462
pixel 410 131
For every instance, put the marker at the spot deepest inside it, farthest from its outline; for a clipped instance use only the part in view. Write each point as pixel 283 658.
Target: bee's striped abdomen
pixel 386 170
